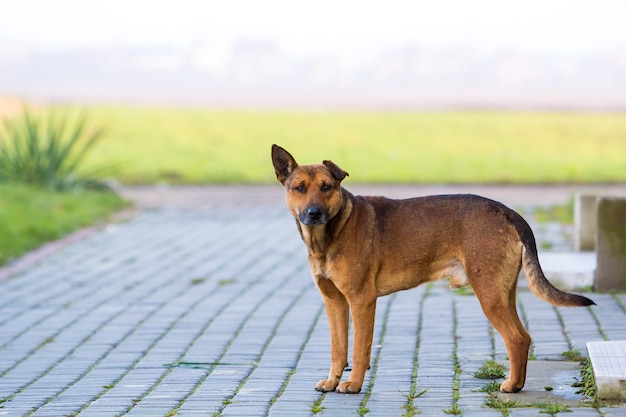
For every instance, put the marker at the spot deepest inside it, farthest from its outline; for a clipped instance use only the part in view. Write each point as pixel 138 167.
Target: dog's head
pixel 313 192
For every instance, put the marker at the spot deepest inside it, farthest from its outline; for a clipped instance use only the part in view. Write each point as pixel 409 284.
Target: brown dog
pixel 361 248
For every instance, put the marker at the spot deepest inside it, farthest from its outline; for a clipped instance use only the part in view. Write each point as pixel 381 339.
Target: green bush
pixel 48 148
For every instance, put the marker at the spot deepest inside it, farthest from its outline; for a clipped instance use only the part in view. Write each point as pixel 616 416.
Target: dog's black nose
pixel 313 215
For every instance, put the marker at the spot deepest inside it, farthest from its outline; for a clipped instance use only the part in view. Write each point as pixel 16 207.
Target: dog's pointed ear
pixel 284 164
pixel 334 169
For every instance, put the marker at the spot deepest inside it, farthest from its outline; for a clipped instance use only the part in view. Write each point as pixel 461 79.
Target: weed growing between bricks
pixel 587 383
pixel 503 405
pixel 573 354
pixel 552 408
pixel 410 407
pixel 491 369
pixel 316 407
pixel 493 386
pixel 456 385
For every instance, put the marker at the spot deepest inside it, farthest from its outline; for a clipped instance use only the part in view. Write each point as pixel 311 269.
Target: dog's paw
pixel 327 385
pixel 349 387
pixel 510 387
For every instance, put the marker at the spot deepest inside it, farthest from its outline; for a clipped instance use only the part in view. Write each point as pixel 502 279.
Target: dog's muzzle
pixel 313 216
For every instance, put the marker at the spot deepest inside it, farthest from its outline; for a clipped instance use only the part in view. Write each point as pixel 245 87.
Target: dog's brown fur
pixel 361 248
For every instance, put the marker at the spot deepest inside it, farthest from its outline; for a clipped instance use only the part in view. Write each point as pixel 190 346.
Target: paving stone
pixel 225 295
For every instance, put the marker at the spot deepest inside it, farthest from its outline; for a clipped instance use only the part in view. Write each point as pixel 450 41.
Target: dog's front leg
pixel 363 313
pixel 338 314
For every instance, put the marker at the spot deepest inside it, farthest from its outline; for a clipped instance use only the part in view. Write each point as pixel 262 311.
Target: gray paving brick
pixel 225 293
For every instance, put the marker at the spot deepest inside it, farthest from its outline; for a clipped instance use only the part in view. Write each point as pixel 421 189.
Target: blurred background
pixel 407 91
pixel 395 54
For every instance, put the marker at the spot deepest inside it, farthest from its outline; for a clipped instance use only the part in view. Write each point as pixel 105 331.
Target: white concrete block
pixel 608 359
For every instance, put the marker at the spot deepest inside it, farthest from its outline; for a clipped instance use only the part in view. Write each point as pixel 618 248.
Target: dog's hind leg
pixel 338 313
pixel 499 305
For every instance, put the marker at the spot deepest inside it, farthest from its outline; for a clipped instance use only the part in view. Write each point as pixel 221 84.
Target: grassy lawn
pixel 199 146
pixel 151 144
pixel 32 216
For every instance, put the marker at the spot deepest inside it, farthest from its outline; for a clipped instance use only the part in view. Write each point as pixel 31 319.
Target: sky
pixel 305 27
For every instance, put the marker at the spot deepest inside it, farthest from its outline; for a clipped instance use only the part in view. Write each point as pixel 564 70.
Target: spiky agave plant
pixel 48 148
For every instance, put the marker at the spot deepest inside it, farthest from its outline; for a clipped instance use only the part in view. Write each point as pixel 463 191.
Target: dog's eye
pixel 326 188
pixel 300 188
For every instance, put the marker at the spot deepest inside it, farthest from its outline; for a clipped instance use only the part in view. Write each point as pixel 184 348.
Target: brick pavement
pixel 209 311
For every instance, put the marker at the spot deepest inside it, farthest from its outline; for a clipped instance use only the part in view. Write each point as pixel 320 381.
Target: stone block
pixel 608 359
pixel 611 244
pixel 585 226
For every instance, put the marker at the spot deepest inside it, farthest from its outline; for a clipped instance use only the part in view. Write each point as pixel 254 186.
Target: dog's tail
pixel 537 281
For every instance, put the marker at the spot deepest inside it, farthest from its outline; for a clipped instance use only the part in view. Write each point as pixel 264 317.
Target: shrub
pixel 48 148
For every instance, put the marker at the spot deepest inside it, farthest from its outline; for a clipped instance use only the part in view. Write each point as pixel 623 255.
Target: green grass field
pixel 211 146
pixel 149 145
pixel 30 216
